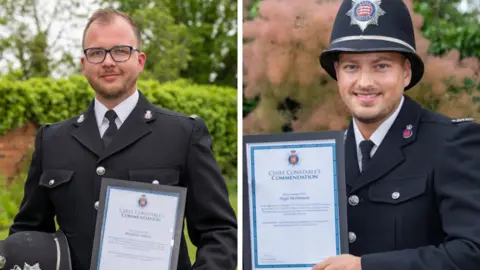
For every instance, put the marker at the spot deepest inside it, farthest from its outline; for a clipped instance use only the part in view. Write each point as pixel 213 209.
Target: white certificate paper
pixel 293 203
pixel 138 229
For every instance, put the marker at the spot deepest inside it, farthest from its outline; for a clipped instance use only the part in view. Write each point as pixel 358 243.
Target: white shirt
pixel 377 136
pixel 122 110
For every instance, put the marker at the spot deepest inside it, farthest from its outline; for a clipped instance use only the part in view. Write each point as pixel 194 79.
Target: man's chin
pixel 368 118
pixel 110 92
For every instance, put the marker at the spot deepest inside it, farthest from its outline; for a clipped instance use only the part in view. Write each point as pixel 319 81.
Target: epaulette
pixel 461 120
pixel 193 116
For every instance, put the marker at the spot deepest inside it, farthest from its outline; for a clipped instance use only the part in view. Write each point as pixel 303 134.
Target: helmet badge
pixel 365 12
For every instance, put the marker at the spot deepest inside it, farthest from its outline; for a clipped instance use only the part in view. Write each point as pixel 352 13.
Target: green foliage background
pixel 447 28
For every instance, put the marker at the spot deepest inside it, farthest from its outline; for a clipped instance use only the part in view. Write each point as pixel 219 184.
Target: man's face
pixel 112 80
pixel 372 84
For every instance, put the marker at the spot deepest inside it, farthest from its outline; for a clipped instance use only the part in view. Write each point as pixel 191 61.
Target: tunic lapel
pixel 86 131
pixel 351 160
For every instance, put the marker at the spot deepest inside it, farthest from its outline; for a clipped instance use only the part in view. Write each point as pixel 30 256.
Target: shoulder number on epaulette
pixel 462 120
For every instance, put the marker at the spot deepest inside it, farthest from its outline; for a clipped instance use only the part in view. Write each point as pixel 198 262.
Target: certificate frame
pixel 340 204
pixel 107 183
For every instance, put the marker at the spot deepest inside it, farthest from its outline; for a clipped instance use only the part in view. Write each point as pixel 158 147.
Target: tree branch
pixel 54 16
pixel 35 16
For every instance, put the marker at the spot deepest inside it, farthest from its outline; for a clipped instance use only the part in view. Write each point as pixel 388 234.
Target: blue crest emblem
pixel 293 157
pixel 365 13
pixel 142 202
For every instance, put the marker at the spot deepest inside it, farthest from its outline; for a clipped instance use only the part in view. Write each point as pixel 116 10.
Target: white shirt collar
pixel 122 110
pixel 380 133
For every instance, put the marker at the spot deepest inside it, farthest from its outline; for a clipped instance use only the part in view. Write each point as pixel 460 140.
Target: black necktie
pixel 112 128
pixel 365 148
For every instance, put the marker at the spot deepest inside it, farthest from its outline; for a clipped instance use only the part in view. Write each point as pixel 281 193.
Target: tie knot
pixel 111 115
pixel 366 147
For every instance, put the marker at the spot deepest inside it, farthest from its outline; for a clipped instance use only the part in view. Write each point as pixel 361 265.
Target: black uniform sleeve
pixel 457 185
pixel 211 221
pixel 36 211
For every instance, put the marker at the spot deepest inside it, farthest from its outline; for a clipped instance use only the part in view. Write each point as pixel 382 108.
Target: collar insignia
pixel 148 114
pixel 80 119
pixel 365 13
pixel 408 132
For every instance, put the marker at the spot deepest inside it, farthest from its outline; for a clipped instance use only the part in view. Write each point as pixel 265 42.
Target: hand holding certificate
pixel 294 185
pixel 138 226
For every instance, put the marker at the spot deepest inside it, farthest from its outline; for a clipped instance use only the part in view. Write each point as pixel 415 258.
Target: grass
pixel 191 248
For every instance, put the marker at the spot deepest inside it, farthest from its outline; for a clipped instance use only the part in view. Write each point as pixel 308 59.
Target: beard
pixel 379 116
pixel 113 92
pixel 370 119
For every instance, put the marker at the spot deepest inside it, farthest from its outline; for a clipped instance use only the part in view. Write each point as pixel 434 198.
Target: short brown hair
pixel 106 16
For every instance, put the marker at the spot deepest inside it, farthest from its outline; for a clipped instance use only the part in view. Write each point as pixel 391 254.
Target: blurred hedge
pixel 46 100
pixel 11 196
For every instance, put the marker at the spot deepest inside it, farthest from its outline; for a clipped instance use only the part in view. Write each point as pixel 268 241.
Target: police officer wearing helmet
pixel 413 176
pixel 33 250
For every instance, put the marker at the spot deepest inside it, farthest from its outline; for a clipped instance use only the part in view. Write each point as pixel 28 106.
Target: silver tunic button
pixel 100 170
pixel 155 182
pixel 353 200
pixel 352 237
pixel 51 182
pixel 395 195
pixel 96 205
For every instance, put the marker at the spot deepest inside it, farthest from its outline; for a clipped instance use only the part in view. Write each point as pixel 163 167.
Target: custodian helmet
pixel 30 250
pixel 373 26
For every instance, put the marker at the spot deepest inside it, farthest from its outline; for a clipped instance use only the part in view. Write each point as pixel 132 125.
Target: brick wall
pixel 15 148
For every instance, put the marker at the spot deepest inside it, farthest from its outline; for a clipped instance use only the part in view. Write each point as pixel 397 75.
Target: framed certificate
pixel 293 199
pixel 139 226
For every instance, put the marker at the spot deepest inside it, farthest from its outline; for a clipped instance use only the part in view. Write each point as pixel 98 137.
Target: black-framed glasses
pixel 118 53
